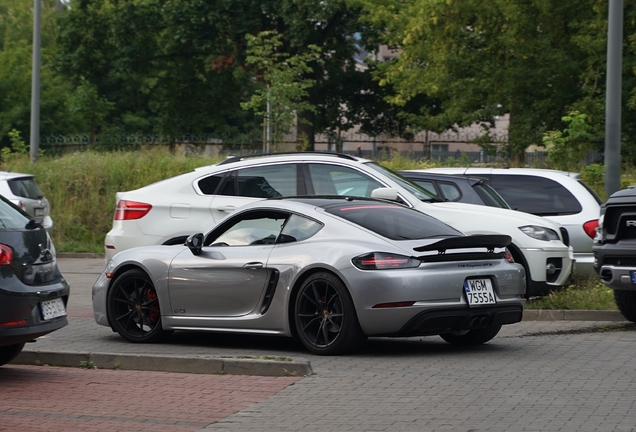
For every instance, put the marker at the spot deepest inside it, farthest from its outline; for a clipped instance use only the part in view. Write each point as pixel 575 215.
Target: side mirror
pixel 195 243
pixel 385 194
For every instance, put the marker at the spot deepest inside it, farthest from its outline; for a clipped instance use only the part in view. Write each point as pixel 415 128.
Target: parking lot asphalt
pixel 565 371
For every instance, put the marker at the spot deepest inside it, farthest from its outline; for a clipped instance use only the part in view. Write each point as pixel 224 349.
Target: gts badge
pixel 179 311
pixel 630 223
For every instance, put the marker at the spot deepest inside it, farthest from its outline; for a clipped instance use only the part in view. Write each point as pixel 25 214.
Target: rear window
pixel 537 195
pixel 25 188
pixel 393 222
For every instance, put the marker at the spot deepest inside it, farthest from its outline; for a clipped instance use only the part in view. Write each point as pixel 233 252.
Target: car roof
pixel 8 175
pixel 269 158
pixel 440 176
pixel 540 172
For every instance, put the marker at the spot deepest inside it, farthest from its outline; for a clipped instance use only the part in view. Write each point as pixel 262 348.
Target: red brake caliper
pixel 154 315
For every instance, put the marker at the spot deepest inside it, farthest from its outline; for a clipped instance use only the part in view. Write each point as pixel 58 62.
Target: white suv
pixel 170 210
pixel 23 191
pixel 556 195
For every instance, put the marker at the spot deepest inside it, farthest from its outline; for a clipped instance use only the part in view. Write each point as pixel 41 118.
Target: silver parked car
pixel 23 191
pixel 328 271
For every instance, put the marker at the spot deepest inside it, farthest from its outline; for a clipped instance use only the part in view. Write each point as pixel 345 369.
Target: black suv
pixel 615 249
pixel 33 293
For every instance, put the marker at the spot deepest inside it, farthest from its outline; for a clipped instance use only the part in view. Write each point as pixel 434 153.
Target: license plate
pixel 479 292
pixel 39 212
pixel 52 309
pixel 632 274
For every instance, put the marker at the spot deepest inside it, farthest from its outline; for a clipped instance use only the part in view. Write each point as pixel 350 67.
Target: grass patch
pixel 583 294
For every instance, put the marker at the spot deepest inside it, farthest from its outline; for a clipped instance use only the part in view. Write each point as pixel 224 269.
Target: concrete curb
pixel 572 315
pixel 80 255
pixel 258 366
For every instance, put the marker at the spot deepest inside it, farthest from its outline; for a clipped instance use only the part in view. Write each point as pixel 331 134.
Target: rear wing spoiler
pixel 488 241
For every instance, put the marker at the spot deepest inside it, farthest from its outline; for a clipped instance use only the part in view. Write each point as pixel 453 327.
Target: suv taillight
pixel 590 228
pixel 131 210
pixel 6 255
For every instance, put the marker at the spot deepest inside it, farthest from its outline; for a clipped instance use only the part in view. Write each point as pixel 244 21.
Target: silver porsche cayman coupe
pixel 327 271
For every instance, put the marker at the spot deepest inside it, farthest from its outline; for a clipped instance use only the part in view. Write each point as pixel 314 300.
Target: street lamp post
pixel 613 97
pixel 34 140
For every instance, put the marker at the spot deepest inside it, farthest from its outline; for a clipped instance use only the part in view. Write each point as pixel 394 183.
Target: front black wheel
pixel 325 317
pixel 626 302
pixel 472 337
pixel 9 352
pixel 133 308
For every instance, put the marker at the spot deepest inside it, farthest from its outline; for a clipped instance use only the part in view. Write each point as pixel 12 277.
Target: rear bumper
pixel 20 302
pixel 440 321
pixel 614 262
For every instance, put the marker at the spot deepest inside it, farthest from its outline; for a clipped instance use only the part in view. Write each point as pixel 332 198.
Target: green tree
pixel 92 108
pixel 176 66
pixel 567 149
pixel 16 30
pixel 169 66
pixel 285 82
pixel 484 59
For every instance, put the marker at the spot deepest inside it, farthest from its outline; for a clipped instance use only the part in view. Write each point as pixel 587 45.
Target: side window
pixel 537 195
pixel 426 185
pixel 299 228
pixel 252 228
pixel 271 181
pixel 209 184
pixel 338 180
pixel 229 185
pixel 450 191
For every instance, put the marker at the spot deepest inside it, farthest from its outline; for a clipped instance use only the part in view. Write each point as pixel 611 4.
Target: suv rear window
pixel 25 188
pixel 393 222
pixel 537 195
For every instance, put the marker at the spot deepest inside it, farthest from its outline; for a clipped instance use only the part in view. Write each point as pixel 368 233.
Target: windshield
pixel 419 192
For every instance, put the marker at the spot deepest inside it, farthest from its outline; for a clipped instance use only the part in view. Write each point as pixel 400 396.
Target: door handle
pixel 253 265
pixel 226 208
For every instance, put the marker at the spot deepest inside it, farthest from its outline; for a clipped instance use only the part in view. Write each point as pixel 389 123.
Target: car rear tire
pixel 626 302
pixel 325 316
pixel 133 308
pixel 472 337
pixel 9 352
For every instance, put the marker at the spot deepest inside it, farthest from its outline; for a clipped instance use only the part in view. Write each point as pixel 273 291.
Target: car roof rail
pixel 231 159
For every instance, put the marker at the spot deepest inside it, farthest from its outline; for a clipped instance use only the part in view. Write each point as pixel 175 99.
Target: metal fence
pixel 354 144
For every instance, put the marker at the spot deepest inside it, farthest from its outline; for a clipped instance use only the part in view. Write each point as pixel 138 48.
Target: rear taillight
pixel 384 261
pixel 6 255
pixel 131 210
pixel 13 323
pixel 590 228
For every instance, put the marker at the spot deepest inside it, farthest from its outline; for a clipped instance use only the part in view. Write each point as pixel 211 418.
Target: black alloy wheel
pixel 133 308
pixel 325 317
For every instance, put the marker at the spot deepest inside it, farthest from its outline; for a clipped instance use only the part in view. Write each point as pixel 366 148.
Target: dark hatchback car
pixel 470 190
pixel 33 292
